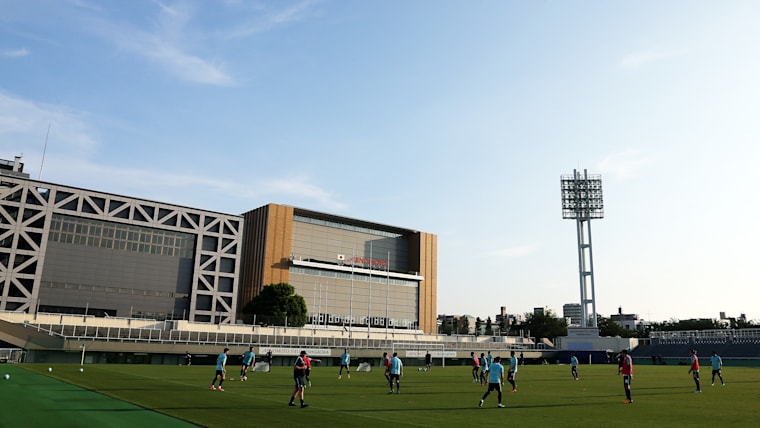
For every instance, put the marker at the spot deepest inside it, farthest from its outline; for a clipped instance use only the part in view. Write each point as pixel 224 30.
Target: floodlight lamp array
pixel 582 197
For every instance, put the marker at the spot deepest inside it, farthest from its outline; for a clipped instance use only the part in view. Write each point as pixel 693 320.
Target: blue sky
pixel 451 117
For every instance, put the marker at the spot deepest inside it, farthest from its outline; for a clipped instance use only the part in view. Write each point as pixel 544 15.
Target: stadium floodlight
pixel 582 201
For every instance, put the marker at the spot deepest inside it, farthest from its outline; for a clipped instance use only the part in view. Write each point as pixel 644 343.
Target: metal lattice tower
pixel 582 201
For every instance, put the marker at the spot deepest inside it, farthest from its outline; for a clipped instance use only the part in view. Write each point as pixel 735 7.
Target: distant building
pixel 627 321
pixel 14 168
pixel 572 312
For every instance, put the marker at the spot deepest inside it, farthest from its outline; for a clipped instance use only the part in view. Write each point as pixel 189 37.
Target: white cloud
pixel 518 251
pixel 188 67
pixel 291 14
pixel 625 165
pixel 264 20
pixel 640 59
pixel 16 53
pixel 167 44
pixel 24 124
pixel 72 159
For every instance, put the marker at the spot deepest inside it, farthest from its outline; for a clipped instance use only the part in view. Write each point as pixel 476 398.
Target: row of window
pixel 113 290
pixel 355 276
pixel 95 233
pixel 343 226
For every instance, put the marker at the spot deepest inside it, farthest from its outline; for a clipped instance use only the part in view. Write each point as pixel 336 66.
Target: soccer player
pixel 495 379
pixel 397 370
pixel 188 358
pixel 307 359
pixel 489 359
pixel 483 368
pixel 345 360
pixel 299 371
pixel 694 369
pixel 717 365
pixel 387 365
pixel 574 366
pixel 248 358
pixel 620 358
pixel 512 372
pixel 475 366
pixel 428 360
pixel 626 369
pixel 221 370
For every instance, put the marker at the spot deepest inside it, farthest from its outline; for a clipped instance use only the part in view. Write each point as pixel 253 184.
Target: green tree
pixel 741 323
pixel 610 328
pixel 546 325
pixel 445 328
pixel 478 324
pixel 463 325
pixel 277 304
pixel 489 327
pixel 503 326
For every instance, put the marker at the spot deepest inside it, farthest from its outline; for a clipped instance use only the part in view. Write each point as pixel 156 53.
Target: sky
pixel 452 117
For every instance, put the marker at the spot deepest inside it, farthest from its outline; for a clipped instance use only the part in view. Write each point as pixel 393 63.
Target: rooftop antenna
pixel 44 149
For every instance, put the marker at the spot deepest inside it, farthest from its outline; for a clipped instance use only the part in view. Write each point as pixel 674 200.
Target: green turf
pixel 547 396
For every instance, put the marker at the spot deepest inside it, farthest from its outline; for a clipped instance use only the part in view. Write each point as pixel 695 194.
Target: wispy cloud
pixel 518 251
pixel 16 53
pixel 292 13
pixel 625 165
pixel 170 44
pixel 640 59
pixel 266 20
pixel 171 57
pixel 24 124
pixel 72 158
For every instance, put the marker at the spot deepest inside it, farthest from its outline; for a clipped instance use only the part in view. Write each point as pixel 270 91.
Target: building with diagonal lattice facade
pixel 70 250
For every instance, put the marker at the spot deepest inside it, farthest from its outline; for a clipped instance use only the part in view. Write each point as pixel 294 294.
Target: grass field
pixel 144 395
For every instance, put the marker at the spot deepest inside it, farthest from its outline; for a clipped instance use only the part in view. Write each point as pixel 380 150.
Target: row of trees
pixel 278 304
pixel 549 325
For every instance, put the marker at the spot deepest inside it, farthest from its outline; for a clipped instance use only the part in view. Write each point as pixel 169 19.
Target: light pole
pixel 582 201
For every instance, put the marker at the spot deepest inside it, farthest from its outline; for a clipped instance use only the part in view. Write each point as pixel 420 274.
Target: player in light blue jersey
pixel 574 366
pixel 717 366
pixel 248 358
pixel 512 372
pixel 397 370
pixel 221 370
pixel 495 380
pixel 345 360
pixel 483 369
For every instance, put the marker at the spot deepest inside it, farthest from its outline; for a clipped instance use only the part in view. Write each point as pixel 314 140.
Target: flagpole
pixel 351 297
pixel 369 298
pixel 387 291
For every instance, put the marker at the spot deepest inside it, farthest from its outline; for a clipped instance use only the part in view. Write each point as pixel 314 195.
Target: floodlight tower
pixel 582 201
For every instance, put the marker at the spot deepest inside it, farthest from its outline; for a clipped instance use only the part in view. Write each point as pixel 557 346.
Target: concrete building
pixel 572 312
pixel 70 250
pixel 351 272
pixel 627 321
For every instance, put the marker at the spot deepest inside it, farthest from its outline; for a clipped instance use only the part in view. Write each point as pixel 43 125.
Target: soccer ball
pixel 50 369
pixel 6 376
pixel 81 369
pixel 245 377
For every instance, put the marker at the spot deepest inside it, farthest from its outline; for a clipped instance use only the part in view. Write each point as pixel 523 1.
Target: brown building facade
pixel 353 273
